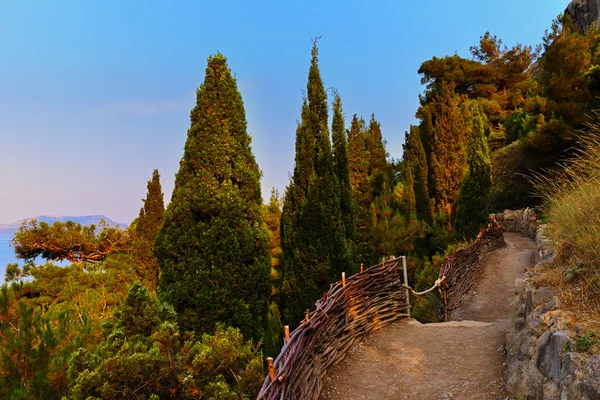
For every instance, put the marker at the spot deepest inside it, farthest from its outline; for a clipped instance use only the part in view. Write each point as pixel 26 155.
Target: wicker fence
pixel 463 266
pixel 351 309
pixel 357 306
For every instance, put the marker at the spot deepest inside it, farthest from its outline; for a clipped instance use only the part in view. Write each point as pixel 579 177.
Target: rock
pixel 558 344
pixel 591 378
pixel 551 391
pixel 542 295
pixel 552 305
pixel 519 323
pixel 584 13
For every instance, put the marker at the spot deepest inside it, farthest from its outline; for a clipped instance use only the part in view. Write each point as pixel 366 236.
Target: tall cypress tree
pixel 379 169
pixel 448 156
pixel 149 222
pixel 416 161
pixel 476 185
pixel 312 229
pixel 340 156
pixel 213 247
pixel 359 159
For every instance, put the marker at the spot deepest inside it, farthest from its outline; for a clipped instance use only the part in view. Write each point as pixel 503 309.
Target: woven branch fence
pixel 350 310
pixel 463 266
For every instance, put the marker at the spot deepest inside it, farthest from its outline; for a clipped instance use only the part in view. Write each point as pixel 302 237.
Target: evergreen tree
pixel 415 161
pixel 313 234
pixel 408 199
pixel 144 356
pixel 362 193
pixel 149 222
pixel 272 217
pixel 475 189
pixel 213 247
pixel 448 156
pixel 379 169
pixel 340 158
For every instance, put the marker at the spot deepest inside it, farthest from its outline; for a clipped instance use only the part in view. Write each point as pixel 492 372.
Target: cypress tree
pixel 472 210
pixel 340 155
pixel 312 229
pixel 416 161
pixel 213 247
pixel 448 156
pixel 408 199
pixel 149 222
pixel 359 159
pixel 379 169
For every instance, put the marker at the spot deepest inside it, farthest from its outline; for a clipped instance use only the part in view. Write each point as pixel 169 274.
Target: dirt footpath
pixel 462 359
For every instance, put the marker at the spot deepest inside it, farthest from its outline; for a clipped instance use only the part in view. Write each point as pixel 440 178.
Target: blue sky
pixel 96 94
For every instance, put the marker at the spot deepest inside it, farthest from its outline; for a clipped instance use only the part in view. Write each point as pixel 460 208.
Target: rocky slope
pixel 584 13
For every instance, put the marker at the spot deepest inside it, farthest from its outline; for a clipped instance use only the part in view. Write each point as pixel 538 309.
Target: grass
pixel 572 207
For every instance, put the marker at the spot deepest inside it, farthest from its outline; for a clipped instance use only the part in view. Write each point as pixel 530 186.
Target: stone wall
pixel 541 362
pixel 523 221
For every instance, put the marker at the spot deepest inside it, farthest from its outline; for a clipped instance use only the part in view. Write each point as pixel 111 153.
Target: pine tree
pixel 340 155
pixel 472 210
pixel 359 159
pixel 149 222
pixel 415 161
pixel 313 234
pixel 213 247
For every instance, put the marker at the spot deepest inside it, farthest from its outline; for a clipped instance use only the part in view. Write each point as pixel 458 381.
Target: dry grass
pixel 572 208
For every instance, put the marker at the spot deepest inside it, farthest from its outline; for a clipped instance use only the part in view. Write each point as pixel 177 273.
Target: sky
pixel 94 95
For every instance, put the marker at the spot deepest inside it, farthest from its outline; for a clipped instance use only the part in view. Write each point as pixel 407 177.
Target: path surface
pixel 462 359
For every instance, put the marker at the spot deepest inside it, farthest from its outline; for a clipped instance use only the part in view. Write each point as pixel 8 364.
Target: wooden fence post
pixel 271 368
pixel 343 279
pixel 286 331
pixel 307 315
pixel 361 267
pixel 406 283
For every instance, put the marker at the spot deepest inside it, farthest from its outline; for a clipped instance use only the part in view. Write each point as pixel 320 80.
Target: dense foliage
pixel 219 271
pixel 272 216
pixel 45 319
pixel 69 241
pixel 143 355
pixel 476 184
pixel 213 247
pixel 313 231
pixel 146 228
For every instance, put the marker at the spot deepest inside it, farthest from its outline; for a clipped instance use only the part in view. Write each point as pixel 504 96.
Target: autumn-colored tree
pixel 213 246
pixel 472 212
pixel 149 222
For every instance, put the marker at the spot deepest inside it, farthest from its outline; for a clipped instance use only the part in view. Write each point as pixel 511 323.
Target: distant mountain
pixel 10 229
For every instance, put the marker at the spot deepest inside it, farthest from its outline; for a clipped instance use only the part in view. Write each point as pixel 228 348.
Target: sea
pixel 7 255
